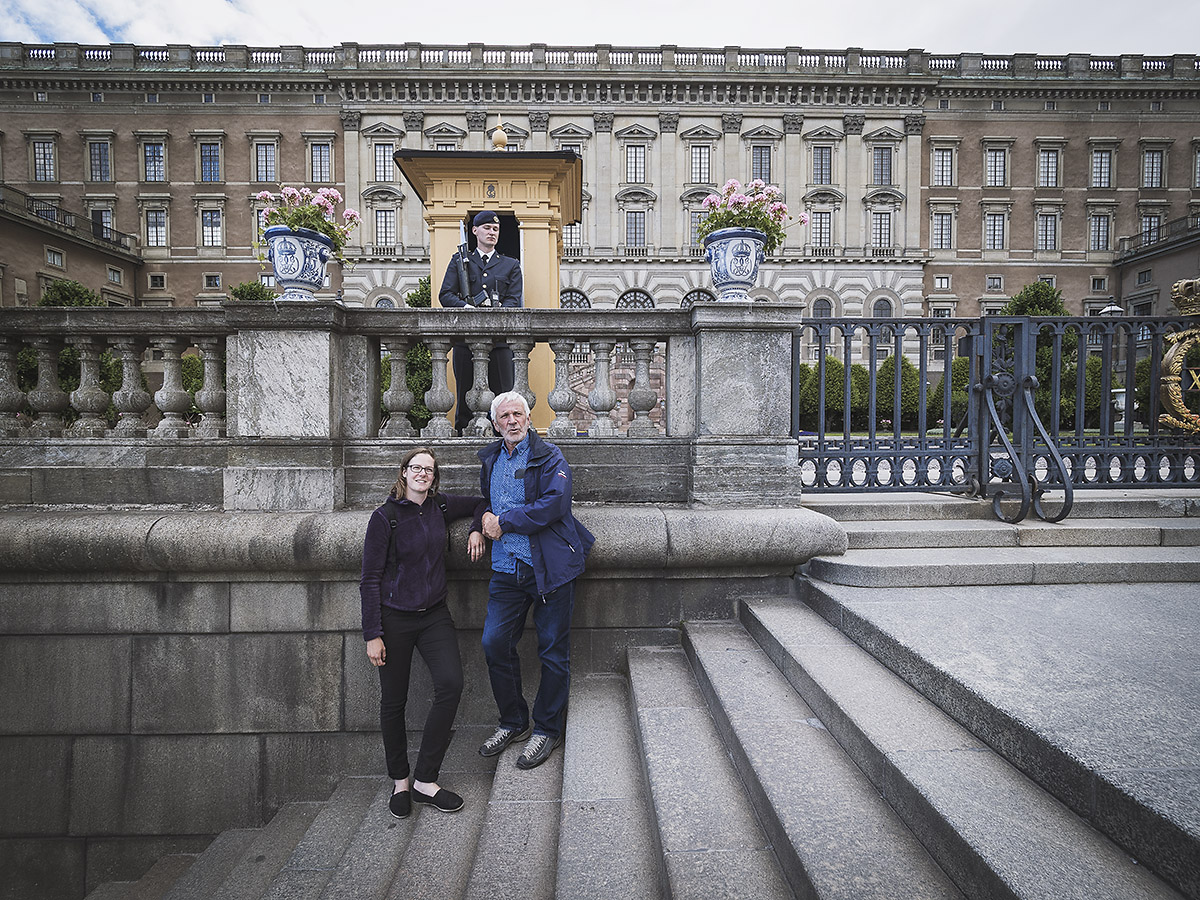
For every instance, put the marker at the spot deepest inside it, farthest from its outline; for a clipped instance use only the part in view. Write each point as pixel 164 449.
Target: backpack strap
pixel 441 502
pixel 389 513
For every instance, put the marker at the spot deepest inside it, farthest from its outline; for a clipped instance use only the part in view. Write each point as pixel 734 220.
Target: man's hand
pixel 475 546
pixel 491 526
pixel 376 651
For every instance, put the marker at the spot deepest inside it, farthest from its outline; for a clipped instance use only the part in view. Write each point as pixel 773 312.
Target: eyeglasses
pixel 420 470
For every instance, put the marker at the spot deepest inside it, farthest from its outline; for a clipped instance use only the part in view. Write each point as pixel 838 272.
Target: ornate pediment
pixel 883 195
pixel 762 133
pixel 636 132
pixel 383 192
pixel 700 133
pixel 824 133
pixel 570 132
pixel 382 129
pixel 445 130
pixel 696 194
pixel 824 196
pixel 884 134
pixel 636 194
pixel 513 131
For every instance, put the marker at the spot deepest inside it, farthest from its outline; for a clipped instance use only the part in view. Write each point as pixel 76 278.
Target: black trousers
pixel 500 377
pixel 432 634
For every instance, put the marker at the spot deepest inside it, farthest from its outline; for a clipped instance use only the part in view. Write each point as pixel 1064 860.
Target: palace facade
pixel 935 185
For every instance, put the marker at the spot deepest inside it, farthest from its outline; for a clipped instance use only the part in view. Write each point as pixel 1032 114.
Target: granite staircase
pixel 955 708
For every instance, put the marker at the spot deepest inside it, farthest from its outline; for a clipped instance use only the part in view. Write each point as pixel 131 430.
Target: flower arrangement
pixel 315 210
pixel 758 205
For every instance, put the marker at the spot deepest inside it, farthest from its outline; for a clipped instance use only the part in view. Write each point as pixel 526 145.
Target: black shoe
pixel 537 751
pixel 501 738
pixel 446 801
pixel 400 805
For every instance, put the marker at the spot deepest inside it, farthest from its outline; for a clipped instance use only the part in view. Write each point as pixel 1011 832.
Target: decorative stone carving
pixel 521 350
pixel 171 399
pixel 603 122
pixel 351 119
pixel 11 399
pixel 642 398
pixel 414 120
pixel 480 396
pixel 132 400
pixel 47 399
pixel 476 120
pixel 438 398
pixel 539 120
pixel 668 123
pixel 914 123
pixel 398 399
pixel 89 399
pixel 562 398
pixel 603 398
pixel 854 123
pixel 731 123
pixel 793 123
pixel 211 398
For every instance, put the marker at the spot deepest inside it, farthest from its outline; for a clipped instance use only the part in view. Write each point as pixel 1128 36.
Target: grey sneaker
pixel 500 739
pixel 537 751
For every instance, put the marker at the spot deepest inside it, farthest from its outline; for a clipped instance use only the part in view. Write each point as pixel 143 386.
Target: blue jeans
pixel 509 600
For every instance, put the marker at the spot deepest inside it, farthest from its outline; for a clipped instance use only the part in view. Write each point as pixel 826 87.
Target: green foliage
pixel 885 393
pixel 1037 299
pixel 252 292
pixel 64 292
pixel 422 297
pixel 835 395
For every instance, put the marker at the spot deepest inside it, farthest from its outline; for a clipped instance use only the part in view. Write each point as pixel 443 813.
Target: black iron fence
pixel 1002 407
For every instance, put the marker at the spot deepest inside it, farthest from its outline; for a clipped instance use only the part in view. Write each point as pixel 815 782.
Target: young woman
pixel 403 591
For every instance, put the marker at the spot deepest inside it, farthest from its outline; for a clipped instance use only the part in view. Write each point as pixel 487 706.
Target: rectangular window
pixel 822 165
pixel 573 235
pixel 385 227
pixel 1098 232
pixel 158 282
pixel 577 149
pixel 1048 279
pixel 943 167
pixel 1102 168
pixel 208 98
pixel 266 279
pixel 114 275
pixel 1196 170
pixel 102 224
pixel 881 165
pixel 1152 169
pixel 264 98
pixel 1144 276
pixel 210 162
pixel 383 162
pixel 40 96
pixel 212 282
pixel 635 228
pixel 1048 168
pixel 1151 228
pixel 701 161
pixel 152 98
pixel 635 164
pixel 696 216
pixel 997 105
pixel 97 96
pixel 320 170
pixel 1051 105
pixel 210 227
pixel 943 229
pixel 55 258
pixel 997 167
pixel 318 99
pixel 1103 106
pixel 994 283
pixel 1099 285
pixel 1047 231
pixel 943 104
pixel 99 164
pixel 156 228
pixel 821 228
pixel 881 229
pixel 43 161
pixel 760 163
pixel 264 162
pixel 993 231
pixel 154 160
pixel 445 147
pixel 941 283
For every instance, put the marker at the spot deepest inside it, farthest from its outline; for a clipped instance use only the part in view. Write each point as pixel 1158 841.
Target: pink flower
pixel 351 215
pixel 264 196
pixel 756 185
pixel 712 201
pixel 738 200
pixel 732 186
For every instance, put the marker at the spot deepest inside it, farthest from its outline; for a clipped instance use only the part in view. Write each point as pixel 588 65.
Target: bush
pixel 253 292
pixel 960 395
pixel 808 387
pixel 64 292
pixel 885 391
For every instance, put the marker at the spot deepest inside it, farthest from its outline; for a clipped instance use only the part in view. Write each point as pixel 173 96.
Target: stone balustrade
pixel 288 413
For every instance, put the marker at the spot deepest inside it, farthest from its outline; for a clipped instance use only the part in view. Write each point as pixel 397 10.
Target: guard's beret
pixel 484 218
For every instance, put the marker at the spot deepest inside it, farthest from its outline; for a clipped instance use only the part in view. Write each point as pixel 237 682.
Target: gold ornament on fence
pixel 1186 297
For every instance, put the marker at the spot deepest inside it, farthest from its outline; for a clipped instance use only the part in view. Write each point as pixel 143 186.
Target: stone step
pixel 161 877
pixel 711 843
pixel 1108 503
pixel 992 829
pixel 213 866
pixel 369 863
pixel 517 854
pixel 316 856
pixel 835 836
pixel 1098 532
pixel 111 890
pixel 1055 679
pixel 909 567
pixel 605 842
pixel 267 852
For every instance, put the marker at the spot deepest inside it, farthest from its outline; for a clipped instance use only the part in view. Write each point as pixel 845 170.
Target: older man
pixel 538 551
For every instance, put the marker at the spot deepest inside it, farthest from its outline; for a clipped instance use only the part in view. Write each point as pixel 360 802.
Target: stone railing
pixel 288 414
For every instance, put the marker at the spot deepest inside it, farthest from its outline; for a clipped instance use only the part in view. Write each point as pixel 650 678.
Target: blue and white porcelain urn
pixel 734 255
pixel 298 257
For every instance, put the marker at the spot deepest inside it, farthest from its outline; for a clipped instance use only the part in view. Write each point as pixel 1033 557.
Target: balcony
pixel 20 205
pixel 1159 238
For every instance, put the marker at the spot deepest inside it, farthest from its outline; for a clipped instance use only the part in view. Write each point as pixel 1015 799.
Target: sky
pixel 1099 27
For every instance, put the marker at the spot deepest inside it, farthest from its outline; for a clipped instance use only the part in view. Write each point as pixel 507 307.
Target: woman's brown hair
pixel 399 487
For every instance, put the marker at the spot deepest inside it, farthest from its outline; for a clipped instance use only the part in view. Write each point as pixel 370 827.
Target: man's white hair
pixel 506 397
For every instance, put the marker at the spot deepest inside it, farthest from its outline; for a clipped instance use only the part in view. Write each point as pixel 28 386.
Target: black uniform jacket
pixel 501 277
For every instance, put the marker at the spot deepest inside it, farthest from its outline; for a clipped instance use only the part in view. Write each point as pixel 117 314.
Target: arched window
pixel 385 303
pixel 697 296
pixel 822 308
pixel 573 299
pixel 882 309
pixel 635 299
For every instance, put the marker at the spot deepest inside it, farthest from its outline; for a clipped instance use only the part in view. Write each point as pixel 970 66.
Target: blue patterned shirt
pixel 508 492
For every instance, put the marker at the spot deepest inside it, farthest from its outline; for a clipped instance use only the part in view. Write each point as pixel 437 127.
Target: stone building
pixel 935 184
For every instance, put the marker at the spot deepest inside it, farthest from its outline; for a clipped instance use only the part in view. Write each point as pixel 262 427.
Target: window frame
pixel 700 163
pixel 160 163
pixel 44 159
pixel 816 218
pixel 819 150
pixel 105 165
pixel 210 227
pixel 153 230
pixel 761 162
pixel 635 236
pixel 1101 168
pixel 635 163
pixel 383 165
pixel 940 170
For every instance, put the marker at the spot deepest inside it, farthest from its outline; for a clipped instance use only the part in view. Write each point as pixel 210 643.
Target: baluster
pixel 171 399
pixel 642 398
pixel 12 398
pixel 562 398
pixel 47 399
pixel 398 399
pixel 602 398
pixel 211 398
pixel 438 398
pixel 480 396
pixel 89 399
pixel 132 400
pixel 521 351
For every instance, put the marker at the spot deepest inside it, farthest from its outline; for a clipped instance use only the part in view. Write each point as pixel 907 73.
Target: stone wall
pixel 169 675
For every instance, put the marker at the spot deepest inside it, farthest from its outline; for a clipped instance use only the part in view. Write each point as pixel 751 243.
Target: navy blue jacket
pixel 502 276
pixel 558 542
